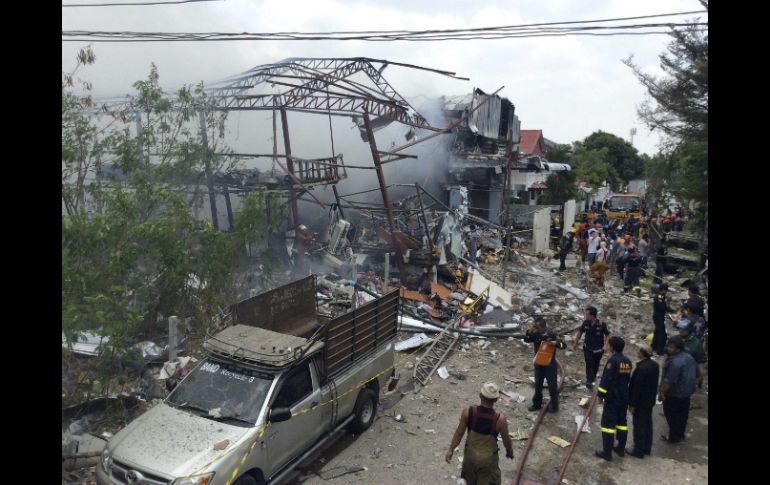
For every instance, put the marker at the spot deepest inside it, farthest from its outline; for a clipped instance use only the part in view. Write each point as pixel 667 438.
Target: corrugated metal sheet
pixel 485 121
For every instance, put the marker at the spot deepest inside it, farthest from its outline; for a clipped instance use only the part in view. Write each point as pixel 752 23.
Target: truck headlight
pixel 106 459
pixel 203 479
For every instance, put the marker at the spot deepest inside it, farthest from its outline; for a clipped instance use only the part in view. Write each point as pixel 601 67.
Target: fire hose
pixel 535 428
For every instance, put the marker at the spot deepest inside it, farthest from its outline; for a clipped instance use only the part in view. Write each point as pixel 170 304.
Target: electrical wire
pixel 133 4
pixel 548 29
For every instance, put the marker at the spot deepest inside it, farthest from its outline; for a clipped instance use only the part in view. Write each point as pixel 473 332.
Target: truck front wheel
pixel 364 411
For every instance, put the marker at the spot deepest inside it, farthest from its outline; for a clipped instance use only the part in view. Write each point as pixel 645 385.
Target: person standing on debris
pixel 593 245
pixel 698 322
pixel 679 376
pixel 545 343
pixel 582 234
pixel 474 246
pixel 695 301
pixel 693 346
pixel 613 389
pixel 565 246
pixel 596 333
pixel 481 464
pixel 660 258
pixel 644 250
pixel 633 271
pixel 602 254
pixel 641 400
pixel 659 309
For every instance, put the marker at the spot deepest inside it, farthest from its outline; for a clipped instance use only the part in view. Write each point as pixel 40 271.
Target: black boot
pixel 534 408
pixel 635 454
pixel 620 451
pixel 602 454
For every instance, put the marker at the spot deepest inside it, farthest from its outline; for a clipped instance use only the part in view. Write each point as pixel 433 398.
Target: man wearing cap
pixel 596 333
pixel 613 389
pixel 641 399
pixel 692 346
pixel 679 376
pixel 659 309
pixel 537 335
pixel 565 246
pixel 480 463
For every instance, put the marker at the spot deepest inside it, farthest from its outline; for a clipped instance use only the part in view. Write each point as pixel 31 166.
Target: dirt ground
pixel 411 451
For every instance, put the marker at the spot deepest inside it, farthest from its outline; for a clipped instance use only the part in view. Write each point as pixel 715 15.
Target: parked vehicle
pixel 279 382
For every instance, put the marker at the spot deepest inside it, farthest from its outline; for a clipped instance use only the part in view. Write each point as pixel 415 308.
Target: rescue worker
pixel 613 389
pixel 565 246
pixel 593 348
pixel 480 463
pixel 696 302
pixel 659 309
pixel 537 335
pixel 679 376
pixel 633 271
pixel 641 400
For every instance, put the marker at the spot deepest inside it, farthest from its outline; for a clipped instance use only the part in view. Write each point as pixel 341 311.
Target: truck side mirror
pixel 279 414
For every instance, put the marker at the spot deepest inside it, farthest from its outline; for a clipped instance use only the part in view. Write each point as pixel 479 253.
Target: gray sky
pixel 567 86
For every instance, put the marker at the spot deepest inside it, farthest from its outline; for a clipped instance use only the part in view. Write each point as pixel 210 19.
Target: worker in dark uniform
pixel 642 391
pixel 613 388
pixel 633 271
pixel 695 301
pixel 480 463
pixel 593 348
pixel 565 246
pixel 538 335
pixel 659 309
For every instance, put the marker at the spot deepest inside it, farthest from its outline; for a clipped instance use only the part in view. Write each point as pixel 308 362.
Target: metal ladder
pixel 436 353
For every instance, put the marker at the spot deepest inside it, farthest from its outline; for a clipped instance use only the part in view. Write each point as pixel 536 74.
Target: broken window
pixel 223 390
pixel 297 386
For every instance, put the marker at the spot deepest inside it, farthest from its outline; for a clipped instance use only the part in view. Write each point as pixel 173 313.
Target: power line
pixel 133 4
pixel 499 32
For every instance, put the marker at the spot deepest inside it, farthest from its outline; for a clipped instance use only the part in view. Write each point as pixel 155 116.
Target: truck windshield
pixel 223 390
pixel 625 203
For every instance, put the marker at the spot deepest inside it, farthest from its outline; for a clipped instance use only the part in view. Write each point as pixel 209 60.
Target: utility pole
pixel 207 170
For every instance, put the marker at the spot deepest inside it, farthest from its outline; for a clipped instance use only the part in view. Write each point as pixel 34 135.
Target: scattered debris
pixel 442 372
pixel 339 471
pixel 413 342
pixel 558 441
pixel 579 419
pixel 221 445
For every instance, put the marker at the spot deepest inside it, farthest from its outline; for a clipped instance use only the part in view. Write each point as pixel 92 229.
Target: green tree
pixel 560 188
pixel 620 155
pixel 132 251
pixel 677 106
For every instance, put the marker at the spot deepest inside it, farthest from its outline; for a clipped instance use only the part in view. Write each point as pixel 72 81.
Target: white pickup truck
pixel 279 382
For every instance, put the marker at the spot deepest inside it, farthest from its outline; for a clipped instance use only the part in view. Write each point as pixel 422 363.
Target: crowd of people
pixel 624 387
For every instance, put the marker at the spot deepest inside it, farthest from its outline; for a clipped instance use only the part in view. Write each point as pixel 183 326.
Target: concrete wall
pixel 541 229
pixel 523 214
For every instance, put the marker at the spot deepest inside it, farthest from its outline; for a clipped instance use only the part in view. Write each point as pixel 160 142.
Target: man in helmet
pixel 480 462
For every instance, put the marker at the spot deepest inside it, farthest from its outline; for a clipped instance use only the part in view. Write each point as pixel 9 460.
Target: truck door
pixel 299 391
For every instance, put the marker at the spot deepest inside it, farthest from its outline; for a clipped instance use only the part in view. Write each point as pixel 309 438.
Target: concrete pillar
pixel 569 216
pixel 541 229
